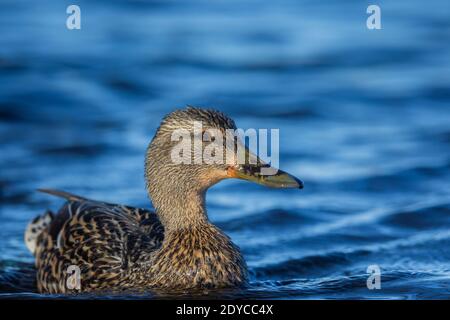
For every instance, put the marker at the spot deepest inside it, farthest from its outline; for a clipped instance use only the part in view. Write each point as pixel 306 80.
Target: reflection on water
pixel 363 118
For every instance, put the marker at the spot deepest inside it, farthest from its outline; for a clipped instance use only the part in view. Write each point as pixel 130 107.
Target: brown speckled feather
pixel 118 247
pixel 103 240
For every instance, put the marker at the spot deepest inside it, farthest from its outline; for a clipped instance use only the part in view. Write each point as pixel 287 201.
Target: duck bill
pixel 266 176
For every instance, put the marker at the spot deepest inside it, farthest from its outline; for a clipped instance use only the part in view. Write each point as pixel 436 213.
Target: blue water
pixel 364 119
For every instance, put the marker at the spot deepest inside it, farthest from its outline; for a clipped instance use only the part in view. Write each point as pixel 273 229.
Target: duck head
pixel 192 150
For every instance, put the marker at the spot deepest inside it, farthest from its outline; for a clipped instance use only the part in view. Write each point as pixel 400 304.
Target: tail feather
pixel 62 194
pixel 40 223
pixel 34 229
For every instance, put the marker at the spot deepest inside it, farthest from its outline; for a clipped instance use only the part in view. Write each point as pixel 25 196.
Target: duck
pixel 109 247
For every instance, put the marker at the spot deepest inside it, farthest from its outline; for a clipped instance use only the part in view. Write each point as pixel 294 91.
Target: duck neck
pixel 176 191
pixel 180 209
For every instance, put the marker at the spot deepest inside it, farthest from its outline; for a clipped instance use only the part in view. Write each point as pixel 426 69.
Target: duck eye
pixel 207 136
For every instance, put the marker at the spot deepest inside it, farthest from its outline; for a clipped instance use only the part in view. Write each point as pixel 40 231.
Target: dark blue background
pixel 363 115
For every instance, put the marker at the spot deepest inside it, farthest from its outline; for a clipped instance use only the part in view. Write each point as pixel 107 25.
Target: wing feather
pixel 102 239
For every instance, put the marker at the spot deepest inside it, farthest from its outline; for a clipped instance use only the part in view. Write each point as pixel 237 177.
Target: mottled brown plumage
pixel 118 247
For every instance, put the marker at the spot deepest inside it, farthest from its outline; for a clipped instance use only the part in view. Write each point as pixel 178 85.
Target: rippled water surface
pixel 363 115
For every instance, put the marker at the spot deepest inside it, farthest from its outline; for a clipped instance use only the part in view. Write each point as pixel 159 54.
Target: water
pixel 363 116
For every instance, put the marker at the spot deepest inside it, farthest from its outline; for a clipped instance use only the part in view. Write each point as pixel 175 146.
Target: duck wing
pixel 105 241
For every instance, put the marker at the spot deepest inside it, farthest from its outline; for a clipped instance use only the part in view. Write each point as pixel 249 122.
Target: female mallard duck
pixel 118 247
